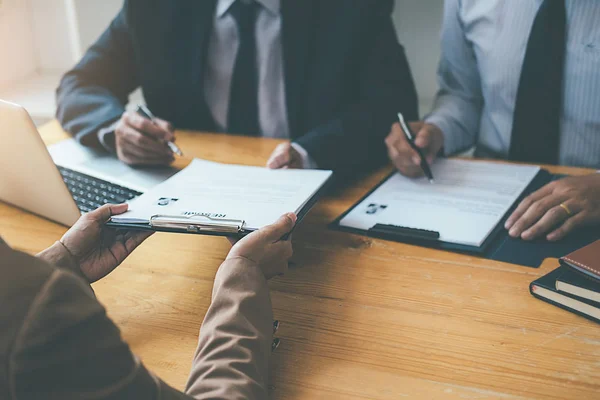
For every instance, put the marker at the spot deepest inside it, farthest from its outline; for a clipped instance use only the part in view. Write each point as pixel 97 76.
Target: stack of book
pixel 575 285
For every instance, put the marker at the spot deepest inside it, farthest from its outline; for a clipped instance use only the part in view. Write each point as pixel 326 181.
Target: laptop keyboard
pixel 90 193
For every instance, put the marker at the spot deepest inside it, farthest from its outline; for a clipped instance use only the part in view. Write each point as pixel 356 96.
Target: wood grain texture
pixel 360 318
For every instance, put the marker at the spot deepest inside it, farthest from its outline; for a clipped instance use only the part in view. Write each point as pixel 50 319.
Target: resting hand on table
pixel 429 138
pixel 285 156
pixel 95 249
pixel 140 141
pixel 557 209
pixel 265 247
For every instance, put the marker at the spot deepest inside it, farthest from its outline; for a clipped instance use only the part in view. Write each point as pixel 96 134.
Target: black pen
pixel 410 136
pixel 146 113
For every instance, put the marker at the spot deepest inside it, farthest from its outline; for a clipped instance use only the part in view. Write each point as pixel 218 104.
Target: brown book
pixel 585 260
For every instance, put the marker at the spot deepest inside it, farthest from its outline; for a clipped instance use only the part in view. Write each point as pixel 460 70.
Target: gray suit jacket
pixel 56 341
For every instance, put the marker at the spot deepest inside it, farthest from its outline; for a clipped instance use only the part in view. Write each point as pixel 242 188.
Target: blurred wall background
pixel 41 39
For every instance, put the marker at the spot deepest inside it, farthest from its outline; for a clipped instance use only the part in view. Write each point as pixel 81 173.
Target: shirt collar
pixel 272 6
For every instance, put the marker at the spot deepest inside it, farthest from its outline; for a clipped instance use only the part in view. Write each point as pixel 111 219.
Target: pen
pixel 410 136
pixel 146 113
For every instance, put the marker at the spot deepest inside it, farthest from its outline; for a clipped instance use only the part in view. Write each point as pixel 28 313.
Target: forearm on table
pixel 232 360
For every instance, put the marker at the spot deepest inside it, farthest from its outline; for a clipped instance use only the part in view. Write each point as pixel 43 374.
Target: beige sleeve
pixel 68 348
pixel 232 360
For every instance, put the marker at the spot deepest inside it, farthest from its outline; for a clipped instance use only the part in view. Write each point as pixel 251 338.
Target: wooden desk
pixel 360 318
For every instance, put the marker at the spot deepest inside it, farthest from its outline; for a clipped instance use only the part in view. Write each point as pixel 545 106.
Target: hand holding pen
pixel 413 147
pixel 146 113
pixel 142 139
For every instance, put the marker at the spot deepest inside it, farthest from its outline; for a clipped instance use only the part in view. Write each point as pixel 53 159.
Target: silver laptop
pixel 65 180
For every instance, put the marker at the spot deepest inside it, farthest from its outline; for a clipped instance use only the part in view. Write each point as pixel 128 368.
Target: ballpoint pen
pixel 410 136
pixel 146 113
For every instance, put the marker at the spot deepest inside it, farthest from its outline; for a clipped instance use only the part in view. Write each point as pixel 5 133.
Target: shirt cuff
pixel 307 161
pixel 452 144
pixel 106 137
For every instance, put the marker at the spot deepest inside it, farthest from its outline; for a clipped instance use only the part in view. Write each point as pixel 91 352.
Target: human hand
pixel 429 138
pixel 285 156
pixel 265 247
pixel 557 209
pixel 140 141
pixel 97 249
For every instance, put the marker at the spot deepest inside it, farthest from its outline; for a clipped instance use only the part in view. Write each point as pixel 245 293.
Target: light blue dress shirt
pixel 483 48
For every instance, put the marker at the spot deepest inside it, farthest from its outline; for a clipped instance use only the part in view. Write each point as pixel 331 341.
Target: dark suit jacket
pixel 56 341
pixel 346 75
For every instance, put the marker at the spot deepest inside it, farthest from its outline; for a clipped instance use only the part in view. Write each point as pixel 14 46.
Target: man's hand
pixel 98 249
pixel 557 209
pixel 429 138
pixel 265 247
pixel 141 141
pixel 285 156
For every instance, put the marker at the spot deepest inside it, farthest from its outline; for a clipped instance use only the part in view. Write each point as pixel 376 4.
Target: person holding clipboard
pixel 61 344
pixel 524 86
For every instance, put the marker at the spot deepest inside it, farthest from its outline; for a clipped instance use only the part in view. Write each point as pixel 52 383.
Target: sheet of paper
pixel 256 195
pixel 466 202
pixel 71 154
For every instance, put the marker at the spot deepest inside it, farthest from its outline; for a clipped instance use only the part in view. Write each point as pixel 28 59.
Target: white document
pixel 257 196
pixel 99 164
pixel 466 202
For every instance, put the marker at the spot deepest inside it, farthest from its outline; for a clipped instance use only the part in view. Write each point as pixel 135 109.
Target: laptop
pixel 65 180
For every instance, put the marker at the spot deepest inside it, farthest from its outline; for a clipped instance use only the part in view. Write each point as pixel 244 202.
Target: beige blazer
pixel 56 341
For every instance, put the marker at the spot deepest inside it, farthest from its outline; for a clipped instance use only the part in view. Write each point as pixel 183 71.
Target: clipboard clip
pixel 402 231
pixel 197 223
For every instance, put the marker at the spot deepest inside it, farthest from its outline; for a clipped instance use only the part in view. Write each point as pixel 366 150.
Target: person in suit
pixel 520 81
pixel 328 76
pixel 57 342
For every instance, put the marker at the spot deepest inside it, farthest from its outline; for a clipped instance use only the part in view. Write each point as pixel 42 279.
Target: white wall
pixel 418 23
pixel 17 56
pixel 55 33
pixel 94 17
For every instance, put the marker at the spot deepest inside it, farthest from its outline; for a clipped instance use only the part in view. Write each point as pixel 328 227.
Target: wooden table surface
pixel 360 318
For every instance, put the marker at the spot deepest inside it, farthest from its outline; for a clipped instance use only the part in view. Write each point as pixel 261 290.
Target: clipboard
pixel 213 225
pixel 498 246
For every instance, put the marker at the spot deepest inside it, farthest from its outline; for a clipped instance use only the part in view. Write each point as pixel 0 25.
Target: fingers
pixel 526 204
pixel 135 148
pixel 534 214
pixel 133 155
pixel 103 214
pixel 404 157
pixel 423 141
pixel 281 156
pixel 140 141
pixel 157 131
pixel 551 219
pixel 273 233
pixel 570 225
pixel 167 126
pixel 401 153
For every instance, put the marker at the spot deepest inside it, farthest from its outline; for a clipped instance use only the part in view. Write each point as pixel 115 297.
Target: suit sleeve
pixel 94 93
pixel 386 87
pixel 68 348
pixel 458 104
pixel 232 360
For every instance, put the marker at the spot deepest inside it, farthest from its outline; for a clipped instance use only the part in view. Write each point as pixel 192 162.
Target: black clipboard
pixel 498 246
pixel 202 225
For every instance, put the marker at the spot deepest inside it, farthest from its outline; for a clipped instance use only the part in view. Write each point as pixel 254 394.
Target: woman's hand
pixel 265 247
pixel 98 249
